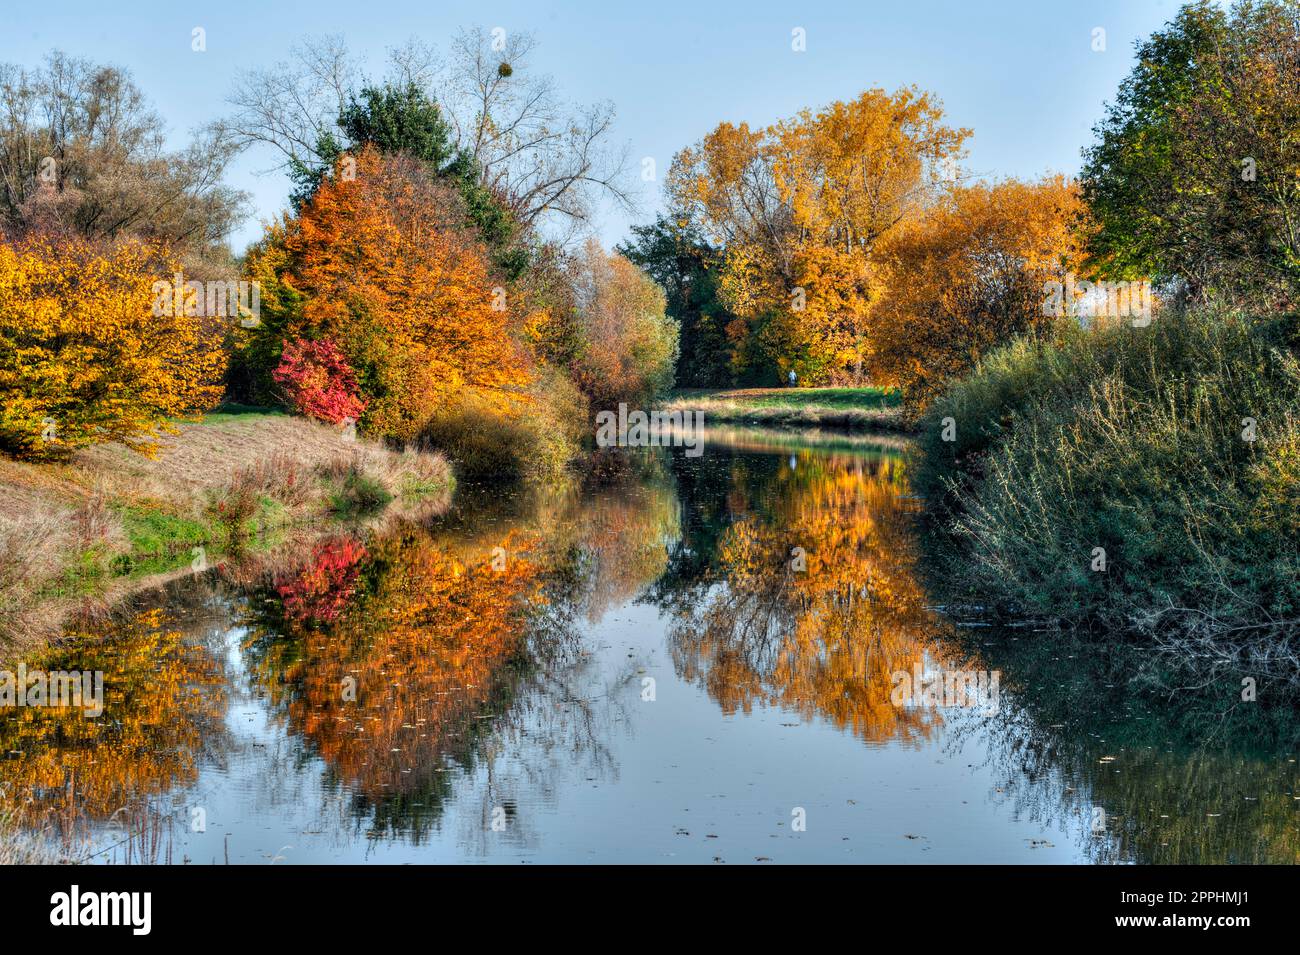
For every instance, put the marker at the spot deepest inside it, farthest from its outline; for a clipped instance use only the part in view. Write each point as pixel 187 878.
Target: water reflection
pixel 655 662
pixel 1157 768
pixel 391 659
pixel 804 594
pixel 164 700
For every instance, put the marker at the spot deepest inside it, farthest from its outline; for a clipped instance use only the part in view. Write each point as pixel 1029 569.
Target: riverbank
pixel 83 533
pixel 761 438
pixel 1129 480
pixel 853 409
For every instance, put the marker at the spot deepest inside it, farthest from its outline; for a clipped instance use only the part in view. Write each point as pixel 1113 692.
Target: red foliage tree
pixel 318 381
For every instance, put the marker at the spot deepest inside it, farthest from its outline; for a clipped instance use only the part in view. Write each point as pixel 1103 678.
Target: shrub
pixel 535 445
pixel 355 490
pixel 83 357
pixel 1172 448
pixel 318 382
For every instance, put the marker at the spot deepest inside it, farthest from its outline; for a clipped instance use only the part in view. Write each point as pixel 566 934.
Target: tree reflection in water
pixel 63 772
pixel 1151 767
pixel 800 591
pixel 422 656
pixel 457 662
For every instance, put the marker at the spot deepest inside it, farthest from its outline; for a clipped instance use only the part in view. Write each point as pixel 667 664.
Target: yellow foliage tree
pixel 84 359
pixel 801 206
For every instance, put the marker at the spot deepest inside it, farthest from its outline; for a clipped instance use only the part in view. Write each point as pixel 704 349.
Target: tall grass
pixel 19 846
pixel 1130 446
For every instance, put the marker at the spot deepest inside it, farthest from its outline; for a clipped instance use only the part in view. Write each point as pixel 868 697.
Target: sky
pixel 1022 74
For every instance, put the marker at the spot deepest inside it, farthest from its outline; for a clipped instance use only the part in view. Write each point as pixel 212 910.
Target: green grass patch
pixel 82 575
pixel 359 496
pixel 839 398
pixel 160 541
pixel 231 412
pixel 153 530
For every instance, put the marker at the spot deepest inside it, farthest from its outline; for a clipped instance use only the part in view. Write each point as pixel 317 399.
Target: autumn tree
pixel 403 120
pixel 801 206
pixel 553 326
pixel 675 253
pixel 381 263
pixel 83 154
pixel 256 351
pixel 1193 175
pixel 630 345
pixel 86 357
pixel 968 275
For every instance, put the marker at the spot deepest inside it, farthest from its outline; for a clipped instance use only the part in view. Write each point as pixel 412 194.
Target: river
pixel 729 658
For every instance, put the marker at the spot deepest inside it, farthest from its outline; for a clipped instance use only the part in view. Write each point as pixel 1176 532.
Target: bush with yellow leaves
pixel 83 357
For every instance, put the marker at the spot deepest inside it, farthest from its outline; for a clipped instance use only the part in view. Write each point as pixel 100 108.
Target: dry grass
pixel 20 847
pixel 61 524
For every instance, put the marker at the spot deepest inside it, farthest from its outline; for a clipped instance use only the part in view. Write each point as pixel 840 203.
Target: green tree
pixel 676 255
pixel 403 120
pixel 1193 176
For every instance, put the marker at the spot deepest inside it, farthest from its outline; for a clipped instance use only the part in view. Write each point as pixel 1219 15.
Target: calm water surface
pixel 687 660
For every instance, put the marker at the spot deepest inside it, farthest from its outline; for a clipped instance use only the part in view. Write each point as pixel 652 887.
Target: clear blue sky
pixel 1021 73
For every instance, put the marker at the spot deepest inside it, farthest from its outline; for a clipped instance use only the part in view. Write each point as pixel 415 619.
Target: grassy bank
pixel 84 532
pixel 868 409
pixel 1144 481
pixel 830 441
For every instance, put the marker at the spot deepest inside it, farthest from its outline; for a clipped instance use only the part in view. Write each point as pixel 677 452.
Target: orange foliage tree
pixel 969 275
pixel 84 355
pixel 380 262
